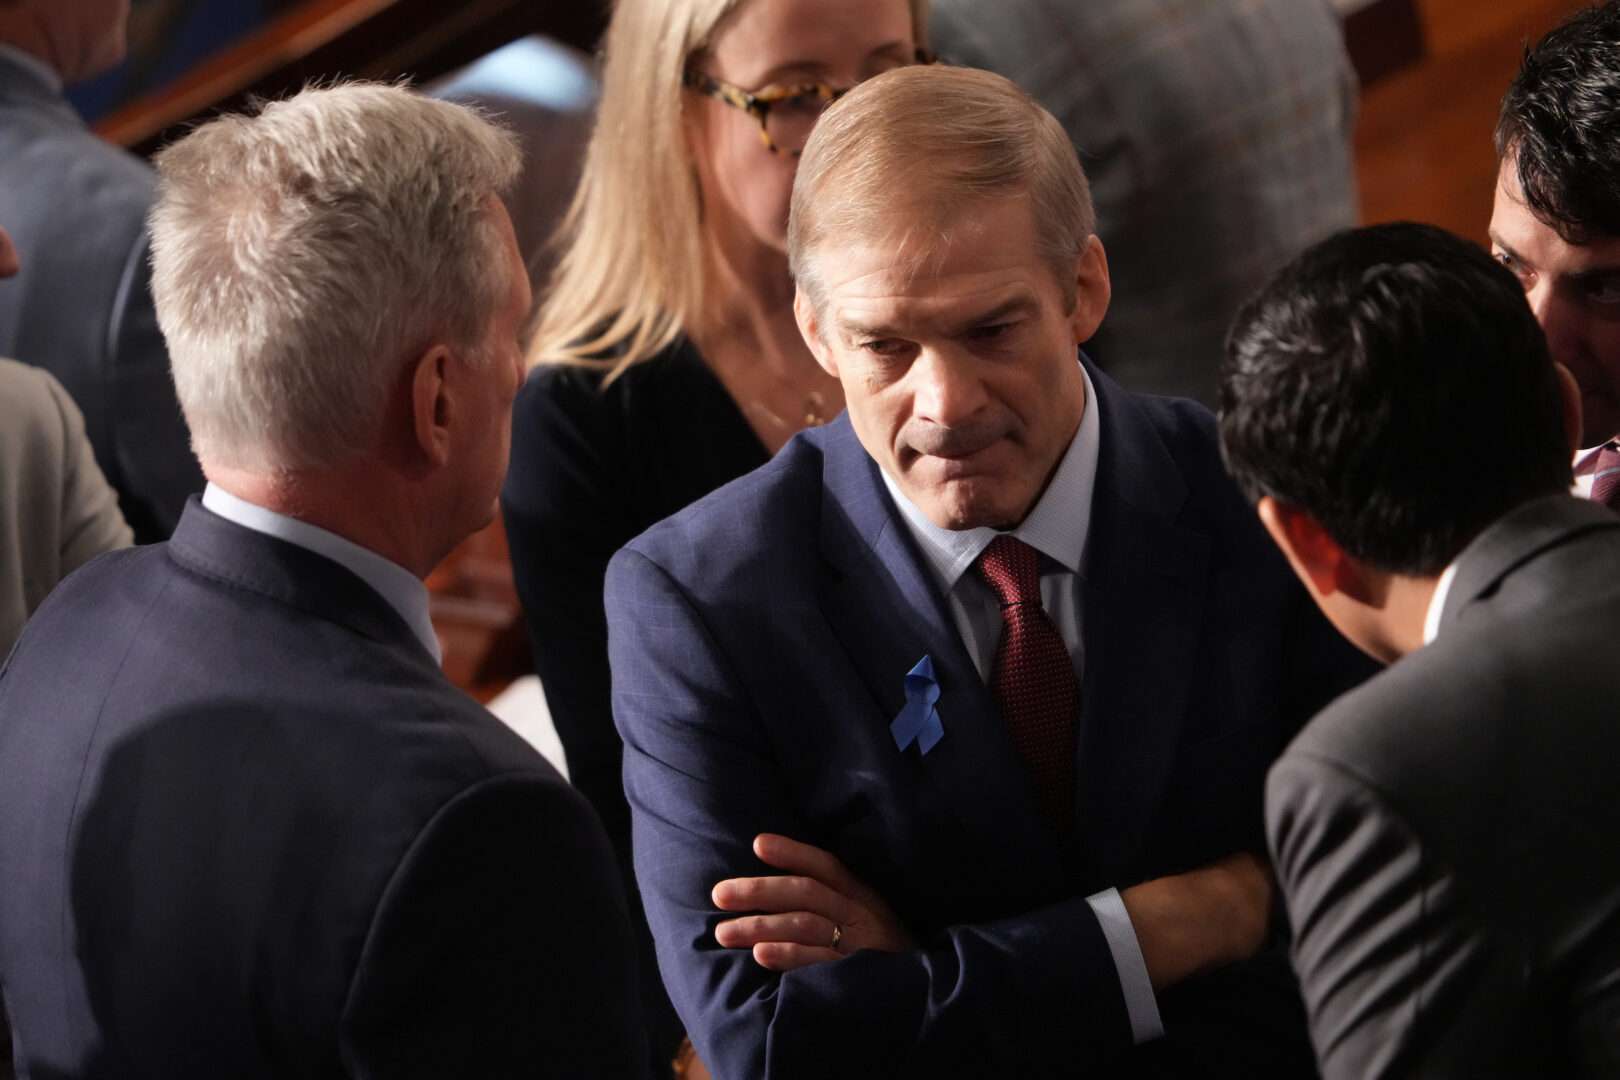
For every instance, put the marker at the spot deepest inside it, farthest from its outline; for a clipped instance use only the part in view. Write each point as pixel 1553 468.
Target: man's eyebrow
pixel 1591 275
pixel 1017 305
pixel 853 330
pixel 1507 249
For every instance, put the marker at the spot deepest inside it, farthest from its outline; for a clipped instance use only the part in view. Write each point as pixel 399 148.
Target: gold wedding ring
pixel 838 935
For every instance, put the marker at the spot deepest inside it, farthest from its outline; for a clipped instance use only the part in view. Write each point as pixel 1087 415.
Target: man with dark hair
pixel 1444 835
pixel 1556 222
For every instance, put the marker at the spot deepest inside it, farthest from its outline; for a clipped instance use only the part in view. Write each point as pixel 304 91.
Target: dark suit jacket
pixel 1448 836
pixel 759 643
pixel 592 468
pixel 82 306
pixel 248 829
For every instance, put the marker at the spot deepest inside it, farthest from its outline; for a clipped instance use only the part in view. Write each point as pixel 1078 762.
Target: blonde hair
pixel 300 256
pixel 944 137
pixel 631 270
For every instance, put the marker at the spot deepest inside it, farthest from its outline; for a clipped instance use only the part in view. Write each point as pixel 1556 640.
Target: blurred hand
pixel 815 912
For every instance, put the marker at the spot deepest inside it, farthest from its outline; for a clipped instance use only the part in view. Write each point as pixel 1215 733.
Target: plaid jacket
pixel 1217 137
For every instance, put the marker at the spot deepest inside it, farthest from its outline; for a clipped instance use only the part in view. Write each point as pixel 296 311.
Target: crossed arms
pixel 767 993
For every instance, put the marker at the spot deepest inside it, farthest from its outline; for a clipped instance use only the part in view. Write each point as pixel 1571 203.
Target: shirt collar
pixel 42 72
pixel 1586 460
pixel 1437 604
pixel 402 589
pixel 1057 527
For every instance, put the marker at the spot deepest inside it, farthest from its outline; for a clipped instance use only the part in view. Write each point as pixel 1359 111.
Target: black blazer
pixel 591 468
pixel 248 829
pixel 760 641
pixel 1448 835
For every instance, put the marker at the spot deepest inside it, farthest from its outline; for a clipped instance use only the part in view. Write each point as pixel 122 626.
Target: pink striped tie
pixel 1606 477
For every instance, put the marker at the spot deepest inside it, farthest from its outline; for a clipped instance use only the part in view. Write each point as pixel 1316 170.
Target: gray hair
pixel 914 146
pixel 303 255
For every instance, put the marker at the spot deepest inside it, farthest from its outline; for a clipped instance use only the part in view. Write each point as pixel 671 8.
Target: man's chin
pixel 959 505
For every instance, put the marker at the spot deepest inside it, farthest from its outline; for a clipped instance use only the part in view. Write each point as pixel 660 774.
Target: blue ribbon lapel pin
pixel 919 721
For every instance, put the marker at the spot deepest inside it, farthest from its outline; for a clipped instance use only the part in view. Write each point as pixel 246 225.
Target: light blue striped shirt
pixel 1058 528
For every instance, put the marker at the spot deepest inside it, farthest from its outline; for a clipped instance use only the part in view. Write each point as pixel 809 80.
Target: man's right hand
pixel 1203 919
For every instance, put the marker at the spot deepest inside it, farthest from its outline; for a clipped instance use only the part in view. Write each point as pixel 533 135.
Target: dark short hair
pixel 1393 384
pixel 1560 123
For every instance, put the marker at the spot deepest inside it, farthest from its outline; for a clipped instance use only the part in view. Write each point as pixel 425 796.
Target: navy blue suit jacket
pixel 249 829
pixel 759 642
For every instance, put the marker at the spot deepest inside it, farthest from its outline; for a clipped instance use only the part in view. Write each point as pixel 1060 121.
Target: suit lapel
pixel 1145 579
pixel 887 610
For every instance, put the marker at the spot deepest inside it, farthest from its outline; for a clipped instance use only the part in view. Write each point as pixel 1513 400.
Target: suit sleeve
pixel 1381 937
pixel 1032 995
pixel 157 471
pixel 500 948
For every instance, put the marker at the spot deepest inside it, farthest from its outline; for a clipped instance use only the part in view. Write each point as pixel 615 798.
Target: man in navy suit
pixel 945 731
pixel 248 828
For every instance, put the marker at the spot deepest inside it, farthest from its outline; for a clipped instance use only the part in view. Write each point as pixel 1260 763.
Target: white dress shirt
pixel 403 590
pixel 1437 604
pixel 1057 527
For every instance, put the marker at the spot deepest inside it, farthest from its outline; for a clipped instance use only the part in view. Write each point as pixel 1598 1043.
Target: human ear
pixel 804 313
pixel 1316 558
pixel 1092 291
pixel 432 405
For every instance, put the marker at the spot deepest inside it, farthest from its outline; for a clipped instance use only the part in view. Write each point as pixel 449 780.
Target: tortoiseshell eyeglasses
pixel 786 114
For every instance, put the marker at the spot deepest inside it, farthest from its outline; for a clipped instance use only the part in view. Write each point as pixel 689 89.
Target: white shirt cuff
pixel 1140 1004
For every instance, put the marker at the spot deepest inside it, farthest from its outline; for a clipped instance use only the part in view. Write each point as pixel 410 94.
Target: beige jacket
pixel 56 510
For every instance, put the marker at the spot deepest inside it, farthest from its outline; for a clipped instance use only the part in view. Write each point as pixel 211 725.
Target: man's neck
pixel 327 500
pixel 1406 613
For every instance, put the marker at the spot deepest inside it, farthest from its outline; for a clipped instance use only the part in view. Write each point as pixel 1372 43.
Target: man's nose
pixel 948 387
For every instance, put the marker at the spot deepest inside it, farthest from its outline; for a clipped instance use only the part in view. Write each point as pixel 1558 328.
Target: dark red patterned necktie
pixel 1606 478
pixel 1034 679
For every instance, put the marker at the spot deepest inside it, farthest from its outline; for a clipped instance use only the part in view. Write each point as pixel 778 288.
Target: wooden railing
pixel 373 39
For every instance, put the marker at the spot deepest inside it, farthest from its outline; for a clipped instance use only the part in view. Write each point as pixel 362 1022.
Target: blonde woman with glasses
pixel 667 361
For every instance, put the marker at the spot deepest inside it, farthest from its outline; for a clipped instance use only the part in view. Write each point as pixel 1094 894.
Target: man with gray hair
pixel 249 828
pixel 945 731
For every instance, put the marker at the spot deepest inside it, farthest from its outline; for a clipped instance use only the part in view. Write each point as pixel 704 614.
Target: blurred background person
pixel 82 306
pixel 1217 136
pixel 668 358
pixel 56 510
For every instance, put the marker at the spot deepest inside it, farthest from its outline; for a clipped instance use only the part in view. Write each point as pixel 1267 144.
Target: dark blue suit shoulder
pixel 782 498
